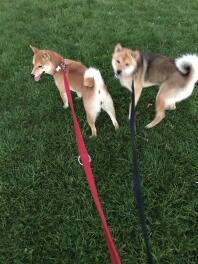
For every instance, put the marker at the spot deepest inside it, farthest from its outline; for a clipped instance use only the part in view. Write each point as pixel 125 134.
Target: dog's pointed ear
pixel 46 56
pixel 135 54
pixel 35 50
pixel 118 47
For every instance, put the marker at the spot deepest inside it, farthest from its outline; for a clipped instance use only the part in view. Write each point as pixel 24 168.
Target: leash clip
pixel 79 160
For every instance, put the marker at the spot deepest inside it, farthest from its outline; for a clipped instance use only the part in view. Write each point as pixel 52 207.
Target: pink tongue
pixel 37 78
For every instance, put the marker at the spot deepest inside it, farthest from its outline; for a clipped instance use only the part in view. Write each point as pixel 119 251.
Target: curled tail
pixel 93 78
pixel 188 64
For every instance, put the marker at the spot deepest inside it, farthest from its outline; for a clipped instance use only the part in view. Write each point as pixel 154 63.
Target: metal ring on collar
pixel 79 160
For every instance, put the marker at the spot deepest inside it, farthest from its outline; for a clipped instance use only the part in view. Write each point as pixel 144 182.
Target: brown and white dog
pixel 86 82
pixel 176 78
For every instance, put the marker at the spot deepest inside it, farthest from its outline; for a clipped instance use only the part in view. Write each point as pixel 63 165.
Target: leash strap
pixel 137 181
pixel 88 172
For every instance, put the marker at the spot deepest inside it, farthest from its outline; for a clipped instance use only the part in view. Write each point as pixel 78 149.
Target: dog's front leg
pixel 60 85
pixel 129 116
pixel 65 99
pixel 138 90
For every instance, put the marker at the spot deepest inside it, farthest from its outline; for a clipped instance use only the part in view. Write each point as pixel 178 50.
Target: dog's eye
pixel 126 64
pixel 40 66
pixel 118 61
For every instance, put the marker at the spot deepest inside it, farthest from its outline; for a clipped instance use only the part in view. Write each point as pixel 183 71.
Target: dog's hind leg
pixel 160 107
pixel 158 118
pixel 108 107
pixel 160 114
pixel 171 107
pixel 91 119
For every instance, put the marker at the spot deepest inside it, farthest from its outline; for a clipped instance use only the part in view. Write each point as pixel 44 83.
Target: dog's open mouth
pixel 38 77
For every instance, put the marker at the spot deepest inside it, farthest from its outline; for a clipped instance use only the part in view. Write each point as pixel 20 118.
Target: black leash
pixel 137 181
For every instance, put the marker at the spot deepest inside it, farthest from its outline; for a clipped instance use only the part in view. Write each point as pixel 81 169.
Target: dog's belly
pixel 148 84
pixel 127 82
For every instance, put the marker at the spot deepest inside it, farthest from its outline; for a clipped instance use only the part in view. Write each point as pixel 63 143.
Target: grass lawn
pixel 46 211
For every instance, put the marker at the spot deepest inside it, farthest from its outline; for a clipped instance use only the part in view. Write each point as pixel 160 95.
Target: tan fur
pixel 148 70
pixel 47 61
pixel 89 82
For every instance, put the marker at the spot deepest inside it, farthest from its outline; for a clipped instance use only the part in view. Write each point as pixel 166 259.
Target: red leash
pixel 88 172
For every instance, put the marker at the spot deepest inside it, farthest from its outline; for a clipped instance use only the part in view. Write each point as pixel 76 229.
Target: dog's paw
pixel 149 126
pixel 173 107
pixel 65 106
pixel 93 136
pixel 116 125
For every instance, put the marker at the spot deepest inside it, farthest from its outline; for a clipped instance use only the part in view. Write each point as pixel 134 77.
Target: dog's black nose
pixel 119 71
pixel 32 76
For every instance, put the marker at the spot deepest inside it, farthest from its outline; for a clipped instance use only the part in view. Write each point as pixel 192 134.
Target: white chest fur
pixel 126 82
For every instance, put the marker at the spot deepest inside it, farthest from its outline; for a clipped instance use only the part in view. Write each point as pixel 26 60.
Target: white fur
pixel 96 75
pixel 102 99
pixel 125 72
pixel 128 70
pixel 189 60
pixel 65 101
pixel 178 95
pixel 181 94
pixel 47 68
pixel 126 82
pixel 99 86
pixel 125 77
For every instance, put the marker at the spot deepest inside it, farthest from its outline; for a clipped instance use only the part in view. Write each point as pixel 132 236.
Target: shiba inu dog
pixel 86 82
pixel 176 78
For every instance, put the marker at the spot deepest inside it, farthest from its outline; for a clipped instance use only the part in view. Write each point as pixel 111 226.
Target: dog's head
pixel 124 61
pixel 43 62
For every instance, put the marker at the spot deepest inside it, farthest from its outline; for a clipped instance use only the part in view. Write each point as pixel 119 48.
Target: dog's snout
pixel 32 76
pixel 119 71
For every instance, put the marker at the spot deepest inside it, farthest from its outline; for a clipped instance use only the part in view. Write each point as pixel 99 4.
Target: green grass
pixel 46 211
